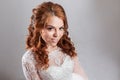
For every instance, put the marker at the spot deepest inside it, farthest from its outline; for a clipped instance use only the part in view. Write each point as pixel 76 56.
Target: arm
pixel 78 69
pixel 29 69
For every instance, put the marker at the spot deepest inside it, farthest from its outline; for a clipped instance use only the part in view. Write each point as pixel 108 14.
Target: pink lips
pixel 54 40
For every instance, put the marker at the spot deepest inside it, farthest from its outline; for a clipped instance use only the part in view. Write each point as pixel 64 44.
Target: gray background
pixel 94 27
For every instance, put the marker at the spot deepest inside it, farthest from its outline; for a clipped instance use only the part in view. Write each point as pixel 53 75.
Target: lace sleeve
pixel 29 69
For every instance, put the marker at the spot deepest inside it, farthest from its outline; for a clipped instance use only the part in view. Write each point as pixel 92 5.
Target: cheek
pixel 46 36
pixel 61 34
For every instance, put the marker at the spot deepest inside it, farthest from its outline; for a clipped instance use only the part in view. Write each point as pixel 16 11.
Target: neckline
pixel 54 51
pixel 64 64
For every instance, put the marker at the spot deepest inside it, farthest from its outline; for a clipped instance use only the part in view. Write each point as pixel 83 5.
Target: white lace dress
pixel 60 67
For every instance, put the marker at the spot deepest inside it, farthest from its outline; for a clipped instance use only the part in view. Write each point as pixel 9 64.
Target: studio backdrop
pixel 94 27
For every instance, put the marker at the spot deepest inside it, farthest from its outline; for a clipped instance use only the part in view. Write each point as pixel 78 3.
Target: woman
pixel 50 53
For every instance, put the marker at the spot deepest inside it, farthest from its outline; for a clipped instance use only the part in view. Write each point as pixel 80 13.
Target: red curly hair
pixel 34 39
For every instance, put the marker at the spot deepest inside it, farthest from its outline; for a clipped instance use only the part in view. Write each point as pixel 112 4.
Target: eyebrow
pixel 54 26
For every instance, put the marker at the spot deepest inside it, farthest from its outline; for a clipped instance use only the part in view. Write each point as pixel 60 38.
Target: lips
pixel 54 40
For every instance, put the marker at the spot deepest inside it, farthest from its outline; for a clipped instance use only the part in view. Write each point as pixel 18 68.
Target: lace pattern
pixel 56 57
pixel 60 67
pixel 28 65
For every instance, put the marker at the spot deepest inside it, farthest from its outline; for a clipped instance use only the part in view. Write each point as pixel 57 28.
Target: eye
pixel 61 28
pixel 50 28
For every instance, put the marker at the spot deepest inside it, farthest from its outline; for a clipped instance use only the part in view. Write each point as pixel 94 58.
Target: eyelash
pixel 50 28
pixel 61 28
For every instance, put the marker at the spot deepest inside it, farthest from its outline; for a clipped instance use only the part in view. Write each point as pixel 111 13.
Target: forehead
pixel 55 21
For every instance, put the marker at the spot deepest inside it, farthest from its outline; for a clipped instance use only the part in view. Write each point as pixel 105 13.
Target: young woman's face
pixel 53 31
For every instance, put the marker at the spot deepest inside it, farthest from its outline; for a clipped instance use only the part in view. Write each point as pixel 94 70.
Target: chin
pixel 54 45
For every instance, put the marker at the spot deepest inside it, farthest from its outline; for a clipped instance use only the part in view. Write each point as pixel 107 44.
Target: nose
pixel 56 33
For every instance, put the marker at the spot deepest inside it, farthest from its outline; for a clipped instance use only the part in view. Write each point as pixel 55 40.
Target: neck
pixel 51 48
